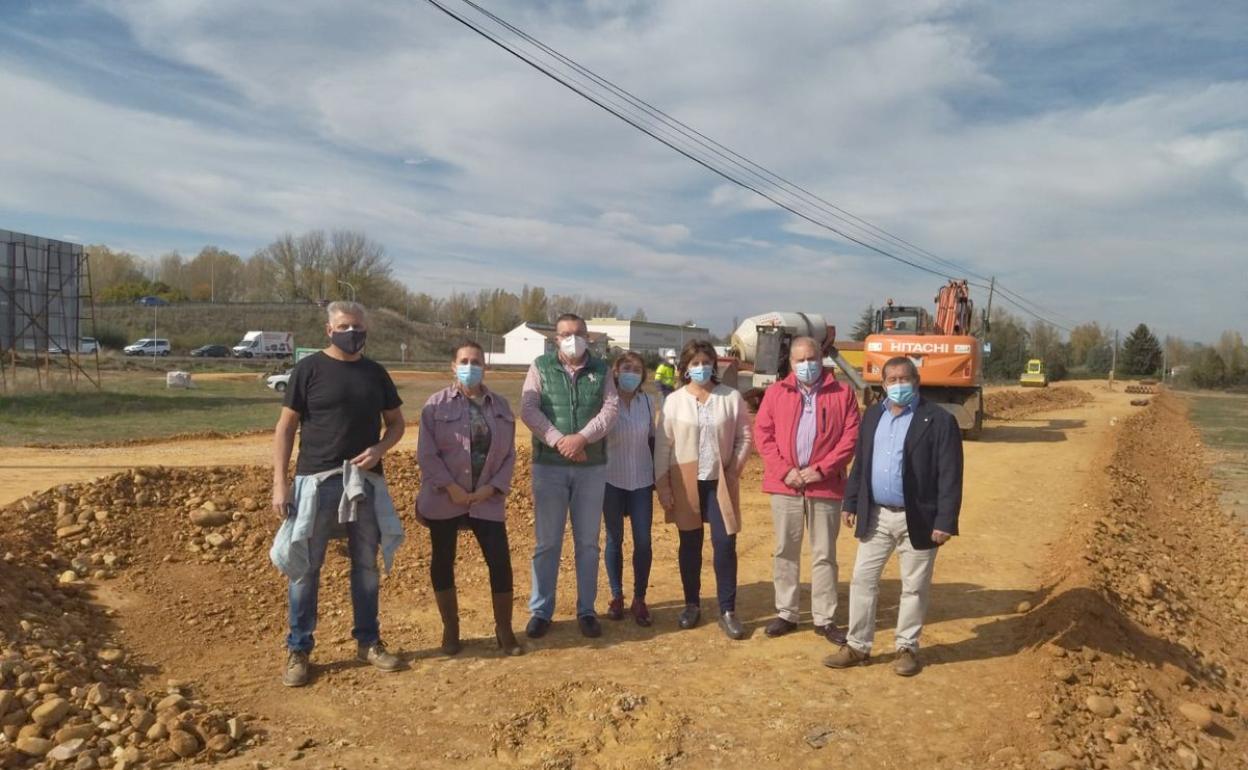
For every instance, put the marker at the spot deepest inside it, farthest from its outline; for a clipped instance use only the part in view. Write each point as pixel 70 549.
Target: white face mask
pixel 573 347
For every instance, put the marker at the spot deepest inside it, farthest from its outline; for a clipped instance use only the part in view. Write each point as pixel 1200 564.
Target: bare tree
pixel 112 268
pixel 260 279
pixel 355 258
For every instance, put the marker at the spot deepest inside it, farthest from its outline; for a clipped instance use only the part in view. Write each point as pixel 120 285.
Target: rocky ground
pixel 69 696
pixel 70 699
pixel 1148 631
pixel 1092 614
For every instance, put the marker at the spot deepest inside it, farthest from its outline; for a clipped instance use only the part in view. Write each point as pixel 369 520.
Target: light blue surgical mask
pixel 629 381
pixel 901 393
pixel 700 374
pixel 469 375
pixel 808 371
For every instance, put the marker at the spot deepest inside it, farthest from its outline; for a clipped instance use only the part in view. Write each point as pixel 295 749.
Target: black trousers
pixel 491 536
pixel 723 545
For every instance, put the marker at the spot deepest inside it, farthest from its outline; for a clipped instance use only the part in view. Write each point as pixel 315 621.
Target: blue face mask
pixel 902 393
pixel 700 374
pixel 808 371
pixel 629 381
pixel 469 375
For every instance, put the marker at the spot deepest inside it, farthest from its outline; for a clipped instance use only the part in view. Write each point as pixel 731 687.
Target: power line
pixel 769 185
pixel 601 102
pixel 728 153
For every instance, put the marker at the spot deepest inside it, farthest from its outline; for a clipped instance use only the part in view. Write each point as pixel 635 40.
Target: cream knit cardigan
pixel 676 454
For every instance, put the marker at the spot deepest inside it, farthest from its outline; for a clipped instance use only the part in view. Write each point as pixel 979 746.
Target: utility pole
pixel 1113 367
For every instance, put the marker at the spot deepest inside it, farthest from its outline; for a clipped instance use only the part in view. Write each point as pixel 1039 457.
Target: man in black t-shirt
pixel 337 400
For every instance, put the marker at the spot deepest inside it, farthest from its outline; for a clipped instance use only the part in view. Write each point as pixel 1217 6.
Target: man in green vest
pixel 569 402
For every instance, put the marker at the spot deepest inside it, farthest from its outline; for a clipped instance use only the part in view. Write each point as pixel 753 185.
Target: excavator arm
pixel 954 309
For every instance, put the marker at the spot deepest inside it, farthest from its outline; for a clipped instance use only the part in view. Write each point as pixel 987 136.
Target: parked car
pixel 151 301
pixel 85 345
pixel 278 382
pixel 148 346
pixel 211 351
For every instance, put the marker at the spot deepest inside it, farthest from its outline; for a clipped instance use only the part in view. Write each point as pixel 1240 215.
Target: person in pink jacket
pixel 806 429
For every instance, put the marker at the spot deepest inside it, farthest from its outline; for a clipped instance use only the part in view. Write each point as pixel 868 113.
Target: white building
pixel 645 336
pixel 527 341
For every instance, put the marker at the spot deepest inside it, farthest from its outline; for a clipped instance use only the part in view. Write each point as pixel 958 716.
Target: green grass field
pixel 1222 419
pixel 133 406
pixel 136 405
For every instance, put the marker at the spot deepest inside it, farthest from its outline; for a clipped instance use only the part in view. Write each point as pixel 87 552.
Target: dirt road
pixel 637 697
pixel 24 470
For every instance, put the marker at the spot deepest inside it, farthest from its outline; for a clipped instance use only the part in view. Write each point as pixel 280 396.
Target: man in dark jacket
pixel 904 493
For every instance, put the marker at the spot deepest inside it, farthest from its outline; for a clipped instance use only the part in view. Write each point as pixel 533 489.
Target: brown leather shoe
pixel 907 663
pixel 845 657
pixel 640 612
pixel 779 627
pixel 831 633
pixel 615 608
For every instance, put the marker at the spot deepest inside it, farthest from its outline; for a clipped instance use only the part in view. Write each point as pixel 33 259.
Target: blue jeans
pixel 557 491
pixel 638 506
pixel 363 538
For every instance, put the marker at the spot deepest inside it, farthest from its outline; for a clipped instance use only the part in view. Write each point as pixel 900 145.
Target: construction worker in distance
pixel 665 374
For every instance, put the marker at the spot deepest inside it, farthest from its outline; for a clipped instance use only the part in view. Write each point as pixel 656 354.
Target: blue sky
pixel 1092 155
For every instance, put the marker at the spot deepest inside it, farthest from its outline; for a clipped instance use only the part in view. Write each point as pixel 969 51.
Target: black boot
pixel 448 608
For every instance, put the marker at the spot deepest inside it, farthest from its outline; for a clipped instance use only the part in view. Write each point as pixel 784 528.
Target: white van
pixel 148 346
pixel 261 344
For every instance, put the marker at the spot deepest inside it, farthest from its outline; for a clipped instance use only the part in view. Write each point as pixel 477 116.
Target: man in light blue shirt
pixel 887 455
pixel 904 494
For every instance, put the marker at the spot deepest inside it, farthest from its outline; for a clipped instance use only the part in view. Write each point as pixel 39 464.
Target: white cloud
pixel 391 118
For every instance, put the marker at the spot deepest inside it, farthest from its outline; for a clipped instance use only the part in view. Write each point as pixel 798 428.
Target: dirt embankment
pixel 159 532
pixel 1145 638
pixel 1015 403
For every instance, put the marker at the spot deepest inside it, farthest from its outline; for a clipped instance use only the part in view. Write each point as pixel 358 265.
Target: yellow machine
pixel 1034 376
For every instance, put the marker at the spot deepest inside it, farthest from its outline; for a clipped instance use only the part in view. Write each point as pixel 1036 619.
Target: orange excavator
pixel 949 357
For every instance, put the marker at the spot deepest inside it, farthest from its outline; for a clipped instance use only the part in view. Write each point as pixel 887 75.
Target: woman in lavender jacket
pixel 466 452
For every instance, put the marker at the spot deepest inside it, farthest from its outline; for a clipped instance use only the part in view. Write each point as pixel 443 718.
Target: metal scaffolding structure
pixel 46 311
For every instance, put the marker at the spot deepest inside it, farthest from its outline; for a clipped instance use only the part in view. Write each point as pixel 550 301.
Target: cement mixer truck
pixel 759 351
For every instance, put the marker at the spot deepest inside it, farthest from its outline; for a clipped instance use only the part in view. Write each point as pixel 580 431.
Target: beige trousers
pixel 791 515
pixel 888 533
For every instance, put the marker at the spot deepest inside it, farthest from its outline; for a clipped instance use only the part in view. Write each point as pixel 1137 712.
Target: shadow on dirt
pixel 1029 431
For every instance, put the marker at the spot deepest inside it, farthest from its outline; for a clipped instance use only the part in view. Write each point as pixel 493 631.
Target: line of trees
pixel 318 266
pixel 1223 364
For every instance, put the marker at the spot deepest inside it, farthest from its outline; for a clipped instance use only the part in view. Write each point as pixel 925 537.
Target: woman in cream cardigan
pixel 701 446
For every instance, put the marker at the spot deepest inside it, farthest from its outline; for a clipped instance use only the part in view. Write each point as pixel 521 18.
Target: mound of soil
pixel 70 696
pixel 1145 640
pixel 195 543
pixel 1013 404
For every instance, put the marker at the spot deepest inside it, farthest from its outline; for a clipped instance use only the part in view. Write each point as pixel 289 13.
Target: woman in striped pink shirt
pixel 630 486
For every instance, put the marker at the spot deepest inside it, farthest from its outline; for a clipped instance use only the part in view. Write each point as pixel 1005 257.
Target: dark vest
pixel 570 406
